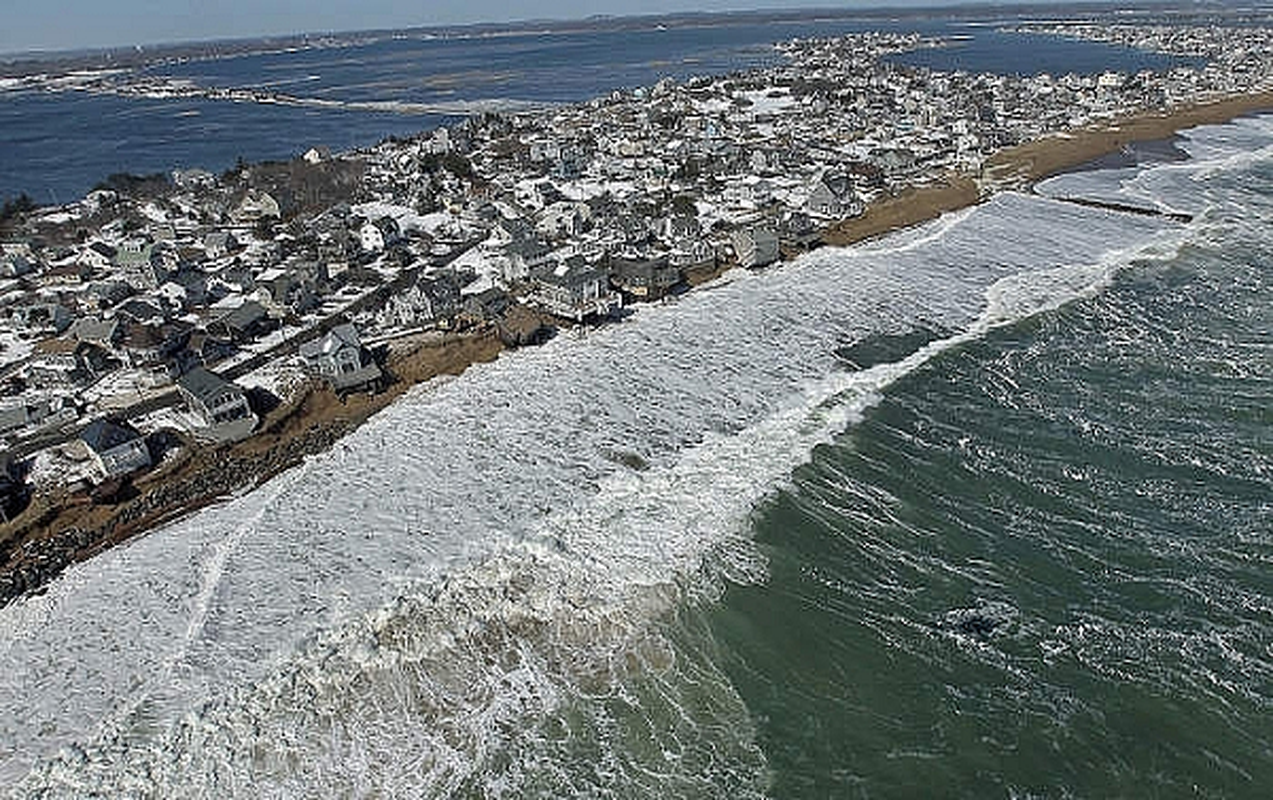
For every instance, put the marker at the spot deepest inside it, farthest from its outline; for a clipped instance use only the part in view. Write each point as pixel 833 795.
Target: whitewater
pixel 488 589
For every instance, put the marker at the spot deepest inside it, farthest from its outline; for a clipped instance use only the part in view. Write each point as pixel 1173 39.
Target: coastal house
pixel 293 288
pixel 755 246
pixel 574 290
pixel 434 299
pixel 138 264
pixel 220 406
pixel 26 416
pixel 102 332
pixel 796 230
pixel 563 219
pixel 68 364
pixel 644 278
pixel 153 344
pixel 97 256
pixel 142 309
pixel 340 359
pixel 831 196
pixel 15 265
pixel 203 349
pixel 37 318
pixel 693 256
pixel 102 295
pixel 115 448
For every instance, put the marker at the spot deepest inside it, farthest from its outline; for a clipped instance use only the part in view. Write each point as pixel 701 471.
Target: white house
pixel 221 406
pixel 340 359
pixel 115 449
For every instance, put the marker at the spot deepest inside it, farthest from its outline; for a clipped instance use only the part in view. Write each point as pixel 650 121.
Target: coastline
pixel 1030 162
pixel 59 529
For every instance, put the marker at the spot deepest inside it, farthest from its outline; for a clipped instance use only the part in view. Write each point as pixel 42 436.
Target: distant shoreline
pixel 142 54
pixel 61 530
pixel 1034 161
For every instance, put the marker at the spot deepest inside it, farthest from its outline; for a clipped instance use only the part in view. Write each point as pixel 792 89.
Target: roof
pixel 92 329
pixel 344 335
pixel 104 434
pixel 203 384
pixel 244 315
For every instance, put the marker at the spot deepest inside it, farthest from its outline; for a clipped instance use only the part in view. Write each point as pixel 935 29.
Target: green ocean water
pixel 980 509
pixel 1042 565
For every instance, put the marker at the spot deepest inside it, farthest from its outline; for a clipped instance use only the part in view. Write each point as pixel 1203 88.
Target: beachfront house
pixel 644 278
pixel 220 407
pixel 832 196
pixel 755 246
pixel 116 449
pixel 243 324
pixel 574 290
pixel 340 359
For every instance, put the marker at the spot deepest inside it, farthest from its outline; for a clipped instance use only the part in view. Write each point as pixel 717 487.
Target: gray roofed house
pixel 102 332
pixel 340 359
pixel 755 246
pixel 41 317
pixel 523 256
pixel 115 448
pixel 575 290
pixel 14 265
pixel 646 278
pixel 243 324
pixel 221 406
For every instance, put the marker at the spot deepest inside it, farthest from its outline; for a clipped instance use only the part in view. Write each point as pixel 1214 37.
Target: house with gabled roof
pixel 219 243
pixel 755 246
pixel 644 278
pixel 115 448
pixel 243 324
pixel 340 359
pixel 220 406
pixel 574 289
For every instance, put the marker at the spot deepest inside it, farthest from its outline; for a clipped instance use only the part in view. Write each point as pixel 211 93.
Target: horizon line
pixel 871 8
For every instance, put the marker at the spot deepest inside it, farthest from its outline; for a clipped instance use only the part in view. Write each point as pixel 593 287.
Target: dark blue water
pixel 57 146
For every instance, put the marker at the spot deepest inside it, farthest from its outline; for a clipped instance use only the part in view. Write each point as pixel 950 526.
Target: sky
pixel 35 25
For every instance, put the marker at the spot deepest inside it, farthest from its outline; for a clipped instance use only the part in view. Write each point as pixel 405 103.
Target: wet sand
pixel 1016 167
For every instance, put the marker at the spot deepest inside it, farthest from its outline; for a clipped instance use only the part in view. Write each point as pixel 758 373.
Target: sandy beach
pixel 60 528
pixel 1036 160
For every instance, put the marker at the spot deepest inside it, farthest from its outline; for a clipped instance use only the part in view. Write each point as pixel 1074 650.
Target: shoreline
pixel 61 528
pixel 1025 164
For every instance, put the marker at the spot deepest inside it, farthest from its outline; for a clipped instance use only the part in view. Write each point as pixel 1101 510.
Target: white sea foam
pixel 1175 187
pixel 475 585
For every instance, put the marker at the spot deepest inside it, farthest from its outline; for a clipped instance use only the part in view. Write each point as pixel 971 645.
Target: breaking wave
pixel 495 587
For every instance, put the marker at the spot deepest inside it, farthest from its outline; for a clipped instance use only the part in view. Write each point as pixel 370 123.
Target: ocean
pixel 980 508
pixel 358 90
